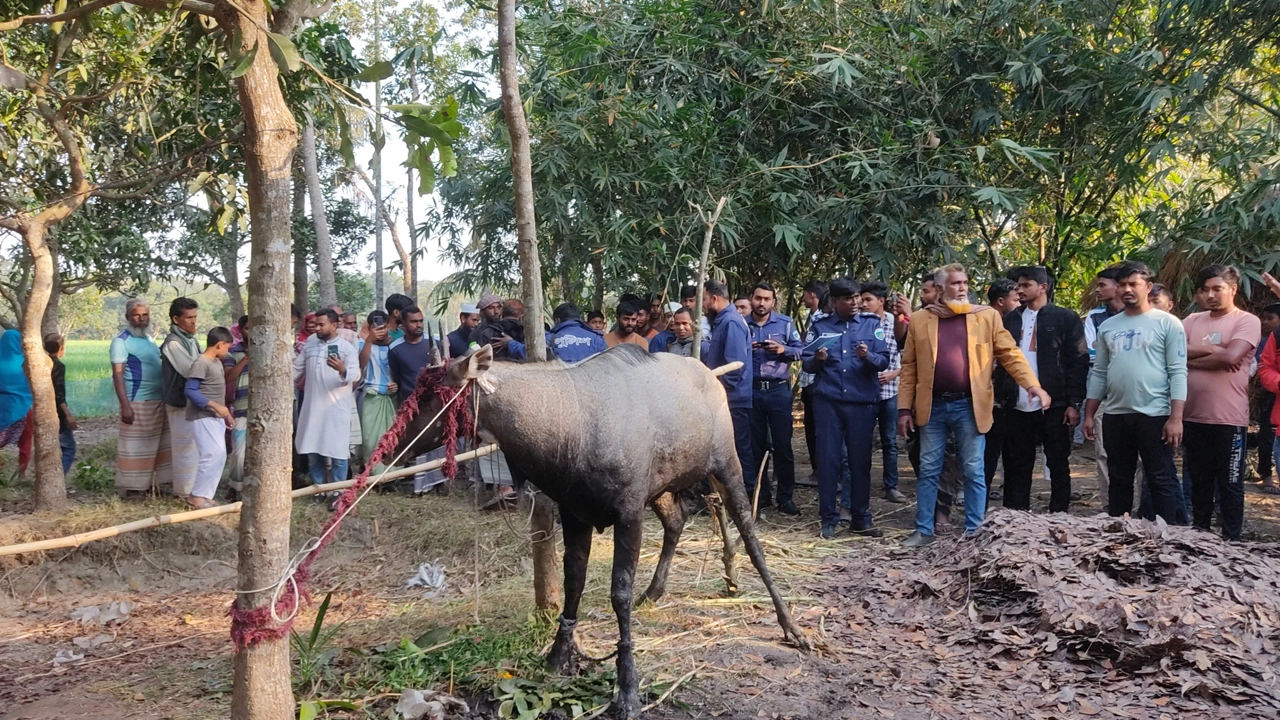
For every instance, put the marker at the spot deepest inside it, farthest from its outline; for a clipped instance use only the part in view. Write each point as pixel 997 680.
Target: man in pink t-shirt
pixel 1220 343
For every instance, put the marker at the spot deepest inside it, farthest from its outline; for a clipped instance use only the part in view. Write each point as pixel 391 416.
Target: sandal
pixel 199 503
pixel 1270 488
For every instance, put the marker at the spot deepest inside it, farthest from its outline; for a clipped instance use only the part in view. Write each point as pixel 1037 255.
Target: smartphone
pixel 379 322
pixel 333 351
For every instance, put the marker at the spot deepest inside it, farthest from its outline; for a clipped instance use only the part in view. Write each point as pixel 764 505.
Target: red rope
pixel 252 626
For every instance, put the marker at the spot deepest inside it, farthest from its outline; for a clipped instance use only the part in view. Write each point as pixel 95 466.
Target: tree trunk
pixel 324 246
pixel 546 580
pixel 50 322
pixel 300 281
pixel 51 486
pixel 231 282
pixel 411 269
pixel 261 689
pixel 597 269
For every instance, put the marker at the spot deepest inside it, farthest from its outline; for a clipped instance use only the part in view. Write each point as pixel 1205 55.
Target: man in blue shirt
pixel 846 357
pixel 775 345
pixel 731 342
pixel 570 340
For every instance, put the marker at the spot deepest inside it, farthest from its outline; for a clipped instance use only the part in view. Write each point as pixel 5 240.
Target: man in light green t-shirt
pixel 1139 380
pixel 142 446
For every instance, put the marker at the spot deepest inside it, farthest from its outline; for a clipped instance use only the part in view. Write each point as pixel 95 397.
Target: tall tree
pixel 546 585
pixel 84 88
pixel 315 194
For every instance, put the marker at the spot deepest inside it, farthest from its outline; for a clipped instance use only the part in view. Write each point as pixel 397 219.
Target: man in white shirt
pixel 328 367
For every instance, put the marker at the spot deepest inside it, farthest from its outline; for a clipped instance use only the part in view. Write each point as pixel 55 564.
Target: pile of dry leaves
pixel 1074 614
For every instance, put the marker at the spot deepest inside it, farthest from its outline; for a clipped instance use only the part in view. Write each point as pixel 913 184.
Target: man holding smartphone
pixel 775 344
pixel 846 356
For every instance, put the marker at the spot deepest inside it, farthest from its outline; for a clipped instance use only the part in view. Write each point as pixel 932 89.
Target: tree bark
pixel 300 282
pixel 231 282
pixel 51 486
pixel 324 245
pixel 546 580
pixel 411 268
pixel 597 269
pixel 708 229
pixel 50 322
pixel 261 688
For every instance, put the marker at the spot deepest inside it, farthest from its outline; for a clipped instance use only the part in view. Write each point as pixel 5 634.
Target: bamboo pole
pixel 175 518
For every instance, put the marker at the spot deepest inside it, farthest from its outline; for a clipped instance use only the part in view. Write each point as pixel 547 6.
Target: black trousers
pixel 1215 461
pixel 771 432
pixel 1025 433
pixel 996 446
pixel 806 401
pixel 1132 436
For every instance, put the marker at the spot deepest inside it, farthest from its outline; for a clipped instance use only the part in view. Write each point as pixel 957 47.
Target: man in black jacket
pixel 1052 340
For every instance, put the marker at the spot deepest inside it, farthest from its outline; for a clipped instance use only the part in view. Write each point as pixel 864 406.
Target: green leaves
pixel 244 63
pixel 283 52
pixel 431 131
pixel 380 70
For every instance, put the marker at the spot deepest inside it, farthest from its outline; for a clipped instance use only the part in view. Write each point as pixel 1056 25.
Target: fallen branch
pixel 77 540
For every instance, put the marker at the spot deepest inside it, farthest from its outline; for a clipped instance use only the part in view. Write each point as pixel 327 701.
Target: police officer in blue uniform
pixel 571 340
pixel 775 345
pixel 846 353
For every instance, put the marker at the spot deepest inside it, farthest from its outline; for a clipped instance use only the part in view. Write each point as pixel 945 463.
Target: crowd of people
pixel 972 386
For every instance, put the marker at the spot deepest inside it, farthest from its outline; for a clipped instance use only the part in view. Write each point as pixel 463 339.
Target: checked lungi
pixel 143 448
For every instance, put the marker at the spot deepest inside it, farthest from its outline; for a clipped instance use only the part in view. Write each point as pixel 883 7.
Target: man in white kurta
pixel 327 367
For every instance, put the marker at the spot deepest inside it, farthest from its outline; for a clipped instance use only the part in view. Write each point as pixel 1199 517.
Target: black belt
pixel 949 396
pixel 768 384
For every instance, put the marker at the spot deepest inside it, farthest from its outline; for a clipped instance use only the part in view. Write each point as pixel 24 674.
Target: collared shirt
pixel 731 342
pixel 780 329
pixel 140 357
pixel 889 390
pixel 843 376
pixel 806 378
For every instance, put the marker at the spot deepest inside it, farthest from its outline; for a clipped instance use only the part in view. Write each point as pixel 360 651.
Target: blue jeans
pixel 887 417
pixel 320 475
pixel 951 417
pixel 67 441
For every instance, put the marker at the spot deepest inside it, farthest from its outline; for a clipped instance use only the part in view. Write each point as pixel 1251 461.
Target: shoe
pixel 845 515
pixel 894 495
pixel 828 532
pixel 995 494
pixel 917 539
pixel 788 507
pixel 868 531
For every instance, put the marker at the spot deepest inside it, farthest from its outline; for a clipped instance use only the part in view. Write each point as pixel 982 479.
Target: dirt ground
pixel 171 656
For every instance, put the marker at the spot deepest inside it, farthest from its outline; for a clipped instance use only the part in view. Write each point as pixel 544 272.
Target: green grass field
pixel 89 391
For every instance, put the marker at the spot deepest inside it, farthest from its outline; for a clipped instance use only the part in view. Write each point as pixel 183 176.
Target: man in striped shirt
pixel 875 295
pixel 379 408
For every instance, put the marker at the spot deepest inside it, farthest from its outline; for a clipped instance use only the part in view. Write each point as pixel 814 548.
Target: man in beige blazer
pixel 946 388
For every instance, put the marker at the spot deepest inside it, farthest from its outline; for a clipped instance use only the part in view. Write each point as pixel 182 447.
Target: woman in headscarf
pixel 15 393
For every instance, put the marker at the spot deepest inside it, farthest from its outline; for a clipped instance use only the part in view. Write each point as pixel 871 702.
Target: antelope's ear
pixel 471 367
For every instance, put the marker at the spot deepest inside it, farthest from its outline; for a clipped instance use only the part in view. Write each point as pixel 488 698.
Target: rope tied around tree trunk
pixel 274 620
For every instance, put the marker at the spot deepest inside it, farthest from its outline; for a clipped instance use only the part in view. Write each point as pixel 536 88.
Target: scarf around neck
pixel 944 311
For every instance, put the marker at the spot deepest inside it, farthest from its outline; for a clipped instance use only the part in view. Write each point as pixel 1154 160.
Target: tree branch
pixel 1252 100
pixel 25 20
